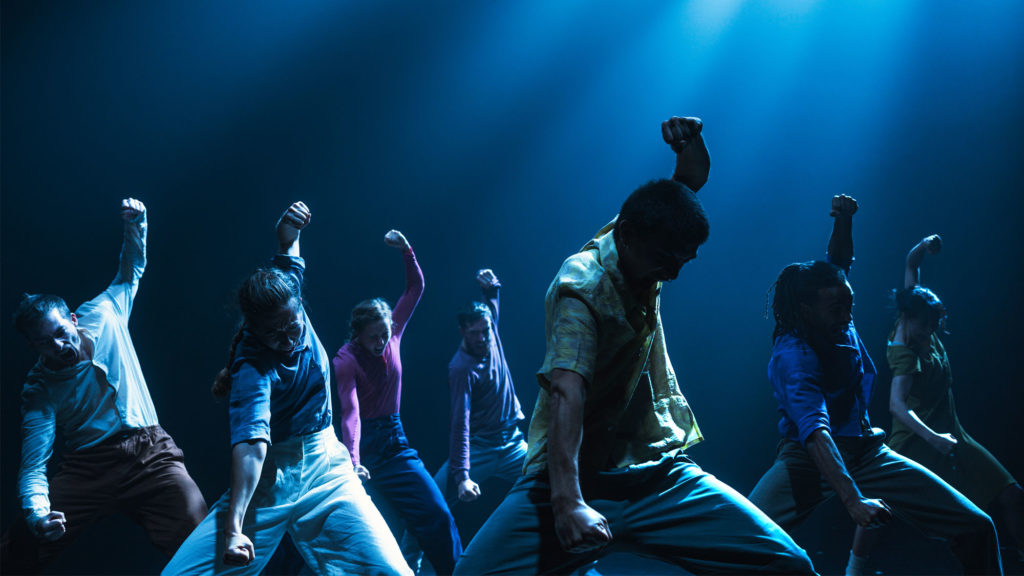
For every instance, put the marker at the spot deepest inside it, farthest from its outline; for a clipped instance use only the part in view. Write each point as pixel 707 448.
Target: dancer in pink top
pixel 368 372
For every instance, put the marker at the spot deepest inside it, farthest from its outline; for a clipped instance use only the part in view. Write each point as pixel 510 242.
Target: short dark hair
pixel 798 284
pixel 33 307
pixel 667 213
pixel 473 313
pixel 919 302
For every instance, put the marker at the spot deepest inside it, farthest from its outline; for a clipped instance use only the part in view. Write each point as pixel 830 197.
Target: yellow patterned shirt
pixel 633 412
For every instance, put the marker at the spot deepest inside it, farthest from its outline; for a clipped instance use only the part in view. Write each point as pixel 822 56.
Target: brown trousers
pixel 140 473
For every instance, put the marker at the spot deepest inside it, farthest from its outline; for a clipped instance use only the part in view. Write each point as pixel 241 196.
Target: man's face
pixel 476 337
pixel 282 330
pixel 374 337
pixel 653 263
pixel 56 338
pixel 830 315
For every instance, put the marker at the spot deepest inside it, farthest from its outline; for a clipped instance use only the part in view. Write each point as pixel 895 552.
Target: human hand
pixel 132 209
pixel 870 512
pixel 468 490
pixel 238 550
pixel 692 159
pixel 944 443
pixel 582 529
pixel 486 278
pixel 362 472
pixel 396 239
pixel 51 527
pixel 843 205
pixel 294 219
pixel 932 243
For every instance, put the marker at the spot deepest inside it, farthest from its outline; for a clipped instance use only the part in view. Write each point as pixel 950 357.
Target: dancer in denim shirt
pixel 289 472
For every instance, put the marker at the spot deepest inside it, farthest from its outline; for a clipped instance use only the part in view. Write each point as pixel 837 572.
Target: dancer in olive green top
pixel 925 427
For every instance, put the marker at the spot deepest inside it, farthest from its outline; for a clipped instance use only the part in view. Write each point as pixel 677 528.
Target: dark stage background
pixel 502 135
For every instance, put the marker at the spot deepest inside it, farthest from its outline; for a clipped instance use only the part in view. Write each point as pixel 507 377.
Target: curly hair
pixel 668 213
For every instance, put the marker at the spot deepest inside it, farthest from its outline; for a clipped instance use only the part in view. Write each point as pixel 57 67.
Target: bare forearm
pixel 911 420
pixel 912 276
pixel 246 465
pixel 826 457
pixel 564 438
pixel 840 244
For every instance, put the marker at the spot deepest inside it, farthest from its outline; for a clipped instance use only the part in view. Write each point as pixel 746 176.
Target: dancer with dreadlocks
pixel 289 472
pixel 822 379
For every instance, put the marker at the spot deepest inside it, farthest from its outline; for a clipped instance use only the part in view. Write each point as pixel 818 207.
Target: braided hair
pixel 798 284
pixel 265 290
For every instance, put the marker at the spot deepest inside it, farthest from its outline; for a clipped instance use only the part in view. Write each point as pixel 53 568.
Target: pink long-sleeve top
pixel 370 386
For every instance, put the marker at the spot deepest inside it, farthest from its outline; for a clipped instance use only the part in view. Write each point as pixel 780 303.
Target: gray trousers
pixel 793 487
pixel 672 511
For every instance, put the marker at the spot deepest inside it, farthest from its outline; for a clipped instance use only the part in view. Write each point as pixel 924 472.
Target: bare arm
pixel 246 464
pixel 866 512
pixel 693 163
pixel 291 223
pixel 580 528
pixel 901 384
pixel 840 244
pixel 930 245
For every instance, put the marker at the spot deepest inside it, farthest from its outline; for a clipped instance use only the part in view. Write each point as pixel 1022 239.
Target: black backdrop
pixel 502 135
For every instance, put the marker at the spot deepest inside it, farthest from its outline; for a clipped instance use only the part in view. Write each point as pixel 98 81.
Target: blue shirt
pixel 96 398
pixel 829 391
pixel 275 396
pixel 483 398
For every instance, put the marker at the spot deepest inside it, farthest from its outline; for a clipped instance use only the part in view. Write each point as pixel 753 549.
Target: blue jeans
pixel 499 455
pixel 671 510
pixel 400 485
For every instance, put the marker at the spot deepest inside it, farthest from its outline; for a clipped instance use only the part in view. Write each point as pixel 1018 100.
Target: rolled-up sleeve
pixel 38 426
pixel 795 377
pixel 572 343
pixel 249 408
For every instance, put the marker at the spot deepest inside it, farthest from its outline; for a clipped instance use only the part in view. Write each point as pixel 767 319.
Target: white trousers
pixel 308 489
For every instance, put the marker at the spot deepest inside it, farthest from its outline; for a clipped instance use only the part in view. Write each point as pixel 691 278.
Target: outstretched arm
pixel 413 282
pixel 246 464
pixel 692 159
pixel 490 285
pixel 290 225
pixel 840 244
pixel 133 255
pixel 930 245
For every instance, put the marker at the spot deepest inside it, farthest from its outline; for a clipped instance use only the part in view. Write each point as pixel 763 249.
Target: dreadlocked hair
pixel 798 284
pixel 264 291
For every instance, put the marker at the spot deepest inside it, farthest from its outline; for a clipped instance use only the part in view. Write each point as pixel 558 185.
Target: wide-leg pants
pixel 309 490
pixel 673 511
pixel 793 487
